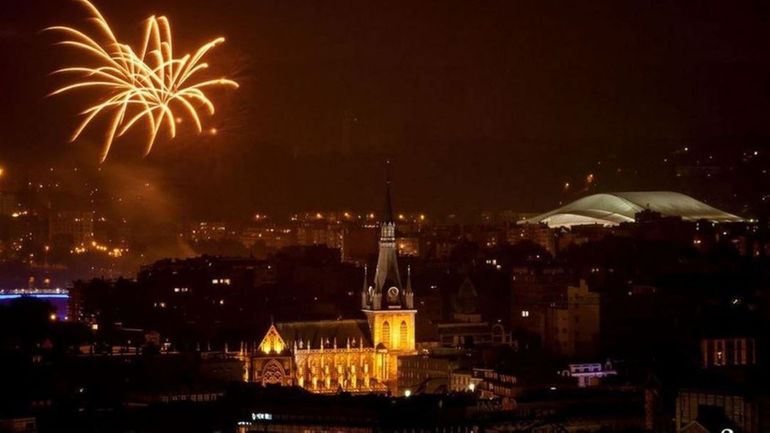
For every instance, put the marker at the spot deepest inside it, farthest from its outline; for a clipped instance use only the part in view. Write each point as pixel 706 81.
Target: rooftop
pixel 611 209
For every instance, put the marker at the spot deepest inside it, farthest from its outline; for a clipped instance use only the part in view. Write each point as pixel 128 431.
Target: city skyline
pixel 355 216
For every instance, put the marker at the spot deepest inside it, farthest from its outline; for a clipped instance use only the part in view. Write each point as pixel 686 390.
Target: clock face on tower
pixel 393 294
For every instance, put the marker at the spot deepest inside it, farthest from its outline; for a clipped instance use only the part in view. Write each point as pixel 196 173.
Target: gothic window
pixel 273 372
pixel 404 335
pixel 386 334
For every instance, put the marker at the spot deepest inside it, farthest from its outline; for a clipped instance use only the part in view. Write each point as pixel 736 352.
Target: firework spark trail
pixel 143 85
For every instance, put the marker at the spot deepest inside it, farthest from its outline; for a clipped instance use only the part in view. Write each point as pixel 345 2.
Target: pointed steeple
pixel 408 278
pixel 387 215
pixel 409 295
pixel 386 276
pixel 365 289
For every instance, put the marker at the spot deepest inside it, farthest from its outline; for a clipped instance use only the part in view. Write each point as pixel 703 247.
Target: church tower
pixel 387 303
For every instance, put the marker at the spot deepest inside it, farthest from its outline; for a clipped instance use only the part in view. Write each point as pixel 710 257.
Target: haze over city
pixel 490 108
pixel 361 216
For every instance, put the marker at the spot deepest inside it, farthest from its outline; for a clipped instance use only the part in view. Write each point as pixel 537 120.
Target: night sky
pixel 486 104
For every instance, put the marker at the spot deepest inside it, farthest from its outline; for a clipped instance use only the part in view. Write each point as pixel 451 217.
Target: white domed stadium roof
pixel 619 207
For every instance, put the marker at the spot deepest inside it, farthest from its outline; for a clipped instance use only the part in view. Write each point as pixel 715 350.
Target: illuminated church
pixel 358 356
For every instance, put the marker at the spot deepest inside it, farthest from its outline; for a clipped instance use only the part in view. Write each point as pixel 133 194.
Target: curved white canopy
pixel 615 208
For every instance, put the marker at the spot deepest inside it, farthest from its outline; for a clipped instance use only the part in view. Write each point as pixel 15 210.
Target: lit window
pixel 524 313
pixel 386 334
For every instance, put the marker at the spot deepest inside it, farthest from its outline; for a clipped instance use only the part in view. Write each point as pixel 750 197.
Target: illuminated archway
pixel 273 373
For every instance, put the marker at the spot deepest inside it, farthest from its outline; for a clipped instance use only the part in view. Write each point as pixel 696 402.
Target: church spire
pixel 387 215
pixel 408 278
pixel 409 295
pixel 365 289
pixel 387 281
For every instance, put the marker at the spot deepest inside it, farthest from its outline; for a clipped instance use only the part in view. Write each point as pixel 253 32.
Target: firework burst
pixel 145 85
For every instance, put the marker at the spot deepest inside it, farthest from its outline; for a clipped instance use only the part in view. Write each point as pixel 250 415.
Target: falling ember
pixel 144 85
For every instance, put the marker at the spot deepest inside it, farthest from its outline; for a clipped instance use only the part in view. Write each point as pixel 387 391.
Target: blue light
pixel 43 296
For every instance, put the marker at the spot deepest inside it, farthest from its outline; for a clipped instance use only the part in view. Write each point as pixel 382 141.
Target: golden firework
pixel 147 84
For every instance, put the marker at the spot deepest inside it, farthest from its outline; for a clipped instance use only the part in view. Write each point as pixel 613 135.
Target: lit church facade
pixel 358 356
